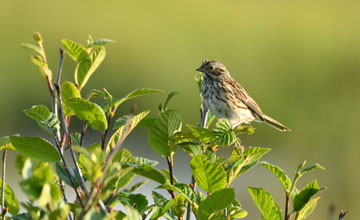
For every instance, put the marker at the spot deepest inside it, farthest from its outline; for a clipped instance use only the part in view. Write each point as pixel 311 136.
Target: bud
pixel 37 37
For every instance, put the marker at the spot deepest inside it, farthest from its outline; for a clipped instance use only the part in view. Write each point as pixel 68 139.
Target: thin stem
pixel 287 203
pixel 3 209
pixel 103 135
pixel 170 165
pixel 83 131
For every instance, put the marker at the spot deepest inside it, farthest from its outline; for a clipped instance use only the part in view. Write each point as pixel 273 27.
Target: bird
pixel 226 98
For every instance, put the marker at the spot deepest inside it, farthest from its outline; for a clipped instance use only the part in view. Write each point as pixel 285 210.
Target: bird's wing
pixel 241 94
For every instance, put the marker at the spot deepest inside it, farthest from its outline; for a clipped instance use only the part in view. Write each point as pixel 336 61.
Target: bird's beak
pixel 200 69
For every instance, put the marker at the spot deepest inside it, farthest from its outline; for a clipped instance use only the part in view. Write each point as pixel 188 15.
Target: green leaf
pixel 147 121
pixel 11 202
pixel 192 148
pixel 68 91
pixel 304 195
pixel 215 203
pixel 150 172
pixel 168 98
pixel 133 94
pixel 223 134
pixel 90 112
pixel 139 201
pixel 235 210
pixel 132 214
pixel 87 67
pixel 162 210
pixel 279 173
pixel 32 47
pixel 35 148
pixel 308 209
pixel 121 133
pixel 101 42
pixel 38 61
pixel 75 50
pixel 179 206
pixel 46 120
pixel 182 189
pixel 167 176
pixel 163 129
pixel 210 177
pixel 5 143
pixel 264 201
pixel 201 134
pixel 311 168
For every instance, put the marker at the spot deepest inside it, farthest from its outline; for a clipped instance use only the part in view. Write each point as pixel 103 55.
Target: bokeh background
pixel 300 60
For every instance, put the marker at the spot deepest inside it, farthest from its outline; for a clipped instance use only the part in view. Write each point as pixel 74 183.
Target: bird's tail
pixel 275 124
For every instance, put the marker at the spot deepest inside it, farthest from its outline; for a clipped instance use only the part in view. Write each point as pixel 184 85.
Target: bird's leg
pixel 204 116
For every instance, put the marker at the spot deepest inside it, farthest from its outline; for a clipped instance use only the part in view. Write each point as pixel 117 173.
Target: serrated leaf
pixel 68 91
pixel 210 177
pixel 235 210
pixel 304 195
pixel 90 112
pixel 35 148
pixel 192 148
pixel 122 133
pixel 182 189
pixel 223 134
pixel 101 42
pixel 308 209
pixel 46 120
pixel 76 51
pixel 264 201
pixel 87 67
pixel 311 168
pixel 161 132
pixel 32 47
pixel 11 201
pixel 201 134
pixel 215 203
pixel 279 173
pixel 5 143
pixel 147 121
pixel 133 94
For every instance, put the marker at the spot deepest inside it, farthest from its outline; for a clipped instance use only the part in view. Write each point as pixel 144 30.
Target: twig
pixel 170 165
pixel 3 209
pixel 204 112
pixel 104 134
pixel 342 215
pixel 287 203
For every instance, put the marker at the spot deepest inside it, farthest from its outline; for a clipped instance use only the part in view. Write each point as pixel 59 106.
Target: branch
pixel 342 215
pixel 3 209
pixel 171 164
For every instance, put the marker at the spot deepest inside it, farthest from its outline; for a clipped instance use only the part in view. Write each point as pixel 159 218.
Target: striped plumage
pixel 226 98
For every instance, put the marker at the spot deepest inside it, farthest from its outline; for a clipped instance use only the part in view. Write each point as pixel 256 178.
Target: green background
pixel 300 60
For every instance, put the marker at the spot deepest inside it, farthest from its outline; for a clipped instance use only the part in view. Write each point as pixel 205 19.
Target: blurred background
pixel 300 60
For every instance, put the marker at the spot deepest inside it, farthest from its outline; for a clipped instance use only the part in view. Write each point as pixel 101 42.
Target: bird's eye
pixel 211 67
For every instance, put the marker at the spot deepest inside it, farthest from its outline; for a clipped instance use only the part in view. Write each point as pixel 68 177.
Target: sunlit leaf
pixel 163 129
pixel 35 148
pixel 133 94
pixel 90 112
pixel 223 134
pixel 68 91
pixel 307 209
pixel 87 67
pixel 304 195
pixel 279 173
pixel 101 42
pixel 211 177
pixel 74 50
pixel 264 201
pixel 162 210
pixel 5 143
pixel 11 200
pixel 215 202
pixel 32 47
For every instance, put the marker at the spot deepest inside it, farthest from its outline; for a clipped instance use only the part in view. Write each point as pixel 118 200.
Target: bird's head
pixel 213 68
